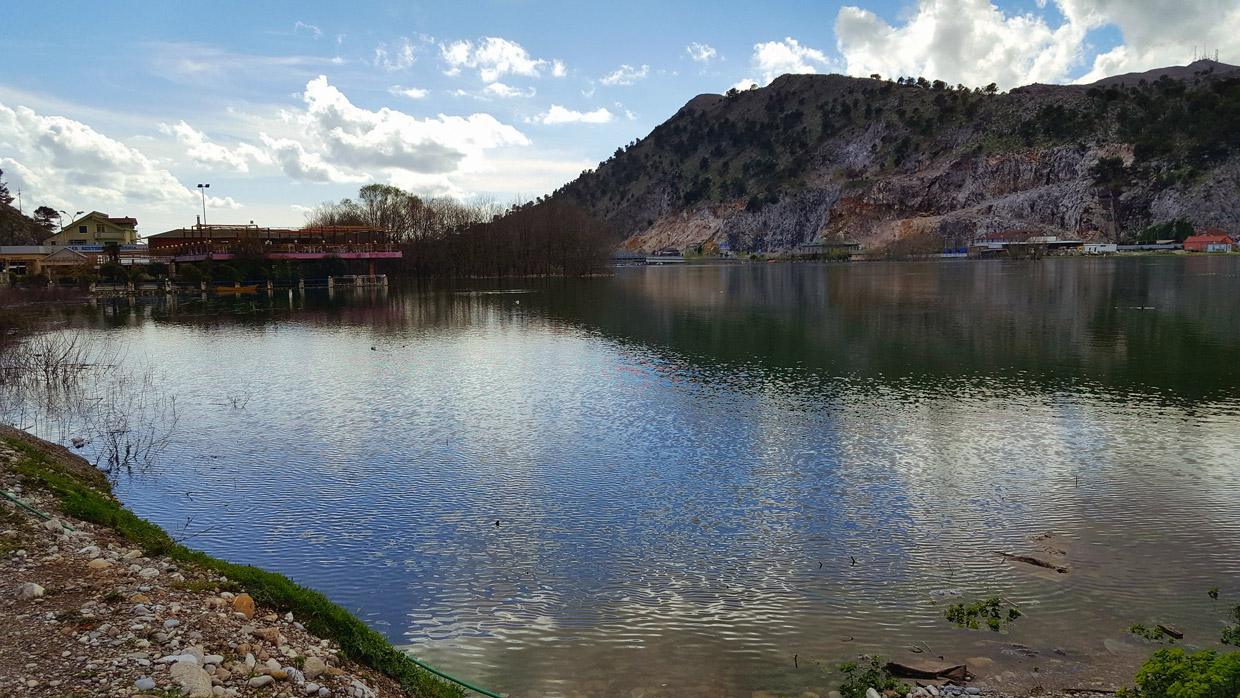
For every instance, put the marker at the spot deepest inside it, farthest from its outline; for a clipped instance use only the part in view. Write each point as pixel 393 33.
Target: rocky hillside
pixel 17 229
pixel 878 161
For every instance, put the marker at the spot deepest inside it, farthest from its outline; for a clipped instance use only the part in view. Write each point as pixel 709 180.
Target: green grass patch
pixel 10 544
pixel 358 642
pixel 202 585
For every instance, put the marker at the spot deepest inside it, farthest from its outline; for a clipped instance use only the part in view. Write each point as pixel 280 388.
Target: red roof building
pixel 1213 240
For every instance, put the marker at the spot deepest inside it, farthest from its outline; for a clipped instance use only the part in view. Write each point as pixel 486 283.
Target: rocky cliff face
pixel 876 161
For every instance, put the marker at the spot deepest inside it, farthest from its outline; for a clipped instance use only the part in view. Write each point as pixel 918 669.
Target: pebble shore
pixel 86 614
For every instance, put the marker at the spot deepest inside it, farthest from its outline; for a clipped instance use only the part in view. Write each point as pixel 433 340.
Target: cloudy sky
pixel 125 107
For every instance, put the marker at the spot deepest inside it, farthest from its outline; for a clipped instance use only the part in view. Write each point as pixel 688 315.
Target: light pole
pixel 74 218
pixel 202 189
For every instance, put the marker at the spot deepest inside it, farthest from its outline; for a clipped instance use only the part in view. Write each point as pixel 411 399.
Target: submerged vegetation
pixel 991 612
pixel 1156 633
pixel 76 389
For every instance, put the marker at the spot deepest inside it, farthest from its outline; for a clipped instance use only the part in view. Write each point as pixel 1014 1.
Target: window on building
pixel 82 229
pixel 98 227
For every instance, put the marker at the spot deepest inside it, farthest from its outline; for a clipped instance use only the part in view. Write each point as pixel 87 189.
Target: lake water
pixel 716 480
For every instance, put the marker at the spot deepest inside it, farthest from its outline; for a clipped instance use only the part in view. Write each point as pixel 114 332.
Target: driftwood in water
pixel 957 673
pixel 1033 561
pixel 1171 631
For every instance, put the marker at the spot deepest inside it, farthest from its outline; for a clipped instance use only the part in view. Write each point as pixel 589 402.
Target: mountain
pixel 927 165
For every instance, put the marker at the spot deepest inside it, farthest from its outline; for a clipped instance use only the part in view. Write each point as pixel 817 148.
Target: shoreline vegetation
pixel 71 490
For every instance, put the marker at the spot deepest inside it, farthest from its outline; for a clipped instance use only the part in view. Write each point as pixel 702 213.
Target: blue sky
pixel 125 106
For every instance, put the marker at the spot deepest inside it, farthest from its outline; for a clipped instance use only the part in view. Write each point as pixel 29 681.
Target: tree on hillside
pixel 6 199
pixel 44 215
pixel 1112 178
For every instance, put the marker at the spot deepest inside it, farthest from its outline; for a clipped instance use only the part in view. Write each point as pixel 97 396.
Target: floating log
pixel 1171 631
pixel 1032 561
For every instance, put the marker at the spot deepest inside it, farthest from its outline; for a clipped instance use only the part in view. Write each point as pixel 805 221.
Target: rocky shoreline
pixel 88 613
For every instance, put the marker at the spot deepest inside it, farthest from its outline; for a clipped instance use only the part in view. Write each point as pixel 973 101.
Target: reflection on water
pixel 671 481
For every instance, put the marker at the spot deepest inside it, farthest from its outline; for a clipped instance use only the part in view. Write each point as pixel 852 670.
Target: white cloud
pixel 398 56
pixel 493 58
pixel 744 84
pixel 66 163
pixel 410 92
pixel 203 151
pixel 300 27
pixel 204 66
pixel 1157 33
pixel 336 141
pixel 557 69
pixel 560 115
pixel 965 41
pixel 701 53
pixel 775 58
pixel 499 89
pixel 975 43
pixel 626 75
pixel 299 163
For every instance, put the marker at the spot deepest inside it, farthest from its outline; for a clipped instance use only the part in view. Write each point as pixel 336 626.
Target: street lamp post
pixel 62 220
pixel 202 189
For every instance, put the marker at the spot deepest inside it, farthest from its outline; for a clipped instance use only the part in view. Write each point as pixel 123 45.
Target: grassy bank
pixel 84 493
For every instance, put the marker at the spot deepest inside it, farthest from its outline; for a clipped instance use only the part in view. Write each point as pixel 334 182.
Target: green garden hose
pixel 453 679
pixel 31 509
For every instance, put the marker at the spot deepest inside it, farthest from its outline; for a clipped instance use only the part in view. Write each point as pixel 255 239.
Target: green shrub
pixel 1171 673
pixel 873 675
pixel 1179 230
pixel 1231 634
pixel 190 273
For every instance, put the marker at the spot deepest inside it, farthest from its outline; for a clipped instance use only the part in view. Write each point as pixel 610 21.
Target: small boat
pixel 252 288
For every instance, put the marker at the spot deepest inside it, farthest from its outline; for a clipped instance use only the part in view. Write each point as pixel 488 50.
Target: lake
pixel 720 480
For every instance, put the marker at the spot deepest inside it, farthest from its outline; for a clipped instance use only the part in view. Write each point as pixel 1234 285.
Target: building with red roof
pixel 1211 240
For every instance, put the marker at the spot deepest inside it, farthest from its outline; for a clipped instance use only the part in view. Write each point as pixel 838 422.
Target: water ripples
pixel 543 507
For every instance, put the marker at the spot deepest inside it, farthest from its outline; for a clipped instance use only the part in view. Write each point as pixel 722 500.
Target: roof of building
pixel 24 249
pixel 64 255
pixel 126 220
pixel 1223 238
pixel 215 231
